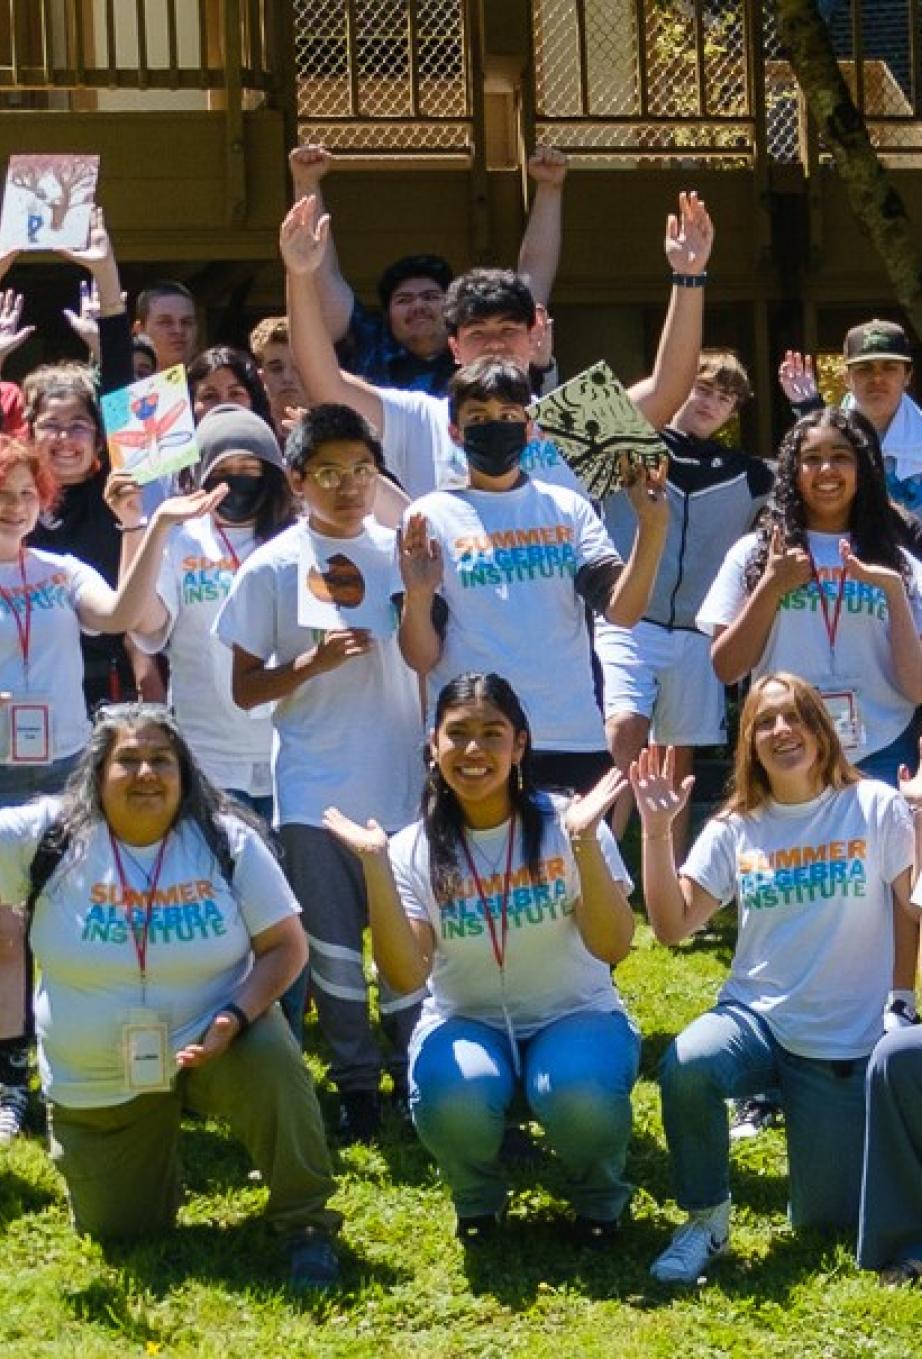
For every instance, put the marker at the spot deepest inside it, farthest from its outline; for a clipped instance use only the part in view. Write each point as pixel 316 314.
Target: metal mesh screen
pixel 383 75
pixel 622 80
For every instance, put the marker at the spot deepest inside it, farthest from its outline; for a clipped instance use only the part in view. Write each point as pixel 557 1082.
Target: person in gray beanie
pixel 239 453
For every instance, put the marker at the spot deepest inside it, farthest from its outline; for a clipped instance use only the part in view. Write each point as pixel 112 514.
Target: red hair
pixel 22 453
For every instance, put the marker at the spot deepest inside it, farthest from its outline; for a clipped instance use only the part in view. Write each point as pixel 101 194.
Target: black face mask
pixel 495 447
pixel 244 498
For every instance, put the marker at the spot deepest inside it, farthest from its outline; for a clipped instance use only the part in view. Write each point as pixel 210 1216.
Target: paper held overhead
pixel 598 429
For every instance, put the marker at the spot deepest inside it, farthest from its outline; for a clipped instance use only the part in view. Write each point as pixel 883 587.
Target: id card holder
pixel 29 730
pixel 842 706
pixel 146 1052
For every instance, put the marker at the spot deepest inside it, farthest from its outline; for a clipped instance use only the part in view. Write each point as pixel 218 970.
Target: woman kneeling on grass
pixel 512 906
pixel 819 860
pixel 164 931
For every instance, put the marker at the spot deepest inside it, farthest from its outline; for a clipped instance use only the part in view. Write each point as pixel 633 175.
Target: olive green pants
pixel 121 1163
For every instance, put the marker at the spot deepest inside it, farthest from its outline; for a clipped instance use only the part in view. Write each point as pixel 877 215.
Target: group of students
pixel 446 772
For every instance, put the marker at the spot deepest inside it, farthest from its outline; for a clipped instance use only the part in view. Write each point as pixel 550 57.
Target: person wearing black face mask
pixel 239 453
pixel 497 576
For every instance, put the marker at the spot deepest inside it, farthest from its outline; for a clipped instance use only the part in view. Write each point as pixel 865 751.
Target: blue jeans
pixel 729 1053
pixel 577 1076
pixel 20 783
pixel 884 764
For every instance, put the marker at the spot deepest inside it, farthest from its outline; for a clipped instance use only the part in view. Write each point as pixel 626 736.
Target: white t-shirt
pixel 814 954
pixel 510 560
pixel 198 946
pixel 233 746
pixel 350 737
pixel 56 583
pixel 422 455
pixel 798 641
pixel 549 972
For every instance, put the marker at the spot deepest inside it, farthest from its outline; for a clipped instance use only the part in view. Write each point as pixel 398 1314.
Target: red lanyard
pixel 23 625
pixel 228 546
pixel 499 948
pixel 139 937
pixel 831 624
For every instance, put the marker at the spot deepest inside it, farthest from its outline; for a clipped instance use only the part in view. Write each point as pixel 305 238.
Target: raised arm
pixel 101 302
pixel 603 915
pixel 123 496
pixel 420 559
pixel 689 238
pixel 309 165
pixel 119 610
pixel 905 644
pixel 403 948
pixel 539 253
pixel 738 648
pixel 630 594
pixel 13 333
pixel 676 905
pixel 302 241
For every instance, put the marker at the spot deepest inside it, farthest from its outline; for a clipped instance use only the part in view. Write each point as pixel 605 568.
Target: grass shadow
pixel 20 1197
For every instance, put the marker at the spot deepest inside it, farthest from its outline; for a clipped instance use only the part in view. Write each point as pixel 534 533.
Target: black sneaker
pixel 359 1116
pixel 314 1266
pixel 752 1116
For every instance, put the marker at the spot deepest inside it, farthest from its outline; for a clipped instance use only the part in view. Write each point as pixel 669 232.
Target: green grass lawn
pixel 215 1287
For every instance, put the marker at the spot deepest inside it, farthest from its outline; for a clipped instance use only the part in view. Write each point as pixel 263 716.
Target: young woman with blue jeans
pixel 513 907
pixel 819 860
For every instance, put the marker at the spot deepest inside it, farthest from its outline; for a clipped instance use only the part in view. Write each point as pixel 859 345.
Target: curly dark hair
pixel 872 524
pixel 441 811
pixel 483 293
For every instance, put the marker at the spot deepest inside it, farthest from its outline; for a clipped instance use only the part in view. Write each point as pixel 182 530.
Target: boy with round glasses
pixel 347 724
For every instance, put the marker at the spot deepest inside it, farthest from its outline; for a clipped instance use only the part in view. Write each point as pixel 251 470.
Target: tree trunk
pixel 874 200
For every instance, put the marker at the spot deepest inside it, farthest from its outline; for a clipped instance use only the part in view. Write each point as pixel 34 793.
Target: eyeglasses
pixel 80 429
pixel 331 478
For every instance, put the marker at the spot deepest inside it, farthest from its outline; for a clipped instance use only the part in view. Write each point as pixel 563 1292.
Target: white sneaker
pixel 14 1106
pixel 696 1243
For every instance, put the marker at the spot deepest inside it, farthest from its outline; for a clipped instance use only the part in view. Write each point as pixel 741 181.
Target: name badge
pixel 842 706
pixel 29 731
pixel 146 1052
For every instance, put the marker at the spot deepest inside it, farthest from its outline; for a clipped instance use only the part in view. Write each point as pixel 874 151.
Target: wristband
pixel 689 280
pixel 242 1018
pixel 135 528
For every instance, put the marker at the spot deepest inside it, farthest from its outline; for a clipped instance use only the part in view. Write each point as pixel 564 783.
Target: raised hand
pixel 689 236
pixel 6 260
pixel 548 165
pixel 646 490
pixel 303 237
pixel 582 817
pixel 542 337
pixel 98 250
pixel 123 496
pixel 339 646
pixel 867 573
pixel 85 322
pixel 419 557
pixel 308 166
pixel 787 568
pixel 911 784
pixel 178 508
pixel 369 839
pixel 797 378
pixel 12 333
pixel 659 802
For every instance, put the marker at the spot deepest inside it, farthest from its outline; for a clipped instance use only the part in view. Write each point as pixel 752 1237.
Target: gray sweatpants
pixel 329 883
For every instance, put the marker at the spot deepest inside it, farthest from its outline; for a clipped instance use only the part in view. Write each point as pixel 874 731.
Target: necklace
pixel 492 864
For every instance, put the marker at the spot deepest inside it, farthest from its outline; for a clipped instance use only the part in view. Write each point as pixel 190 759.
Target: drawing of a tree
pixel 63 182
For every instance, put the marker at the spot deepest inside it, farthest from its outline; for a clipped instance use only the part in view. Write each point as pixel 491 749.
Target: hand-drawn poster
pixel 47 202
pixel 149 426
pixel 598 429
pixel 348 588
